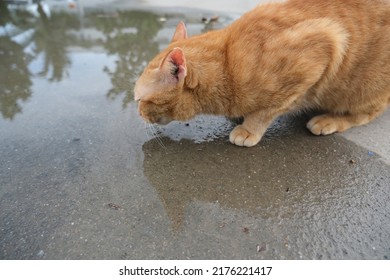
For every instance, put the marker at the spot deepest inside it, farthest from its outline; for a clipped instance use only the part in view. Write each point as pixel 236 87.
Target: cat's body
pixel 333 56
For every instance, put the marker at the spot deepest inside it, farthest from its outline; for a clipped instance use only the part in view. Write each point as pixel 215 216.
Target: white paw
pixel 242 137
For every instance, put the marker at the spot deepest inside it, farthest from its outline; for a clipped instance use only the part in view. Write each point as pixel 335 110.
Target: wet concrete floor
pixel 83 177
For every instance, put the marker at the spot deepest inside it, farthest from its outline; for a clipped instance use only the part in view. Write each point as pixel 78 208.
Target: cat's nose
pixel 137 94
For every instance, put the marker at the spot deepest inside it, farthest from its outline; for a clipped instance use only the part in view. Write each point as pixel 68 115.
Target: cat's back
pixel 261 52
pixel 366 24
pixel 357 16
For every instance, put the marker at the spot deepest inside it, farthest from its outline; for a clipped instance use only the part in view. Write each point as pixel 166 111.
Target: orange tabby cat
pixel 301 54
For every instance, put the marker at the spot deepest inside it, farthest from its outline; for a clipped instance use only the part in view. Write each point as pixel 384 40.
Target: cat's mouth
pixel 158 120
pixel 163 121
pixel 152 117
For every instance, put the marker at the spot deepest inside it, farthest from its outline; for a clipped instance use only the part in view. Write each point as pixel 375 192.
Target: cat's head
pixel 160 90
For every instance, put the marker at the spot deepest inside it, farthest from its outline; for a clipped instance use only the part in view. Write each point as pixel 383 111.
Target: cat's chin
pixel 163 121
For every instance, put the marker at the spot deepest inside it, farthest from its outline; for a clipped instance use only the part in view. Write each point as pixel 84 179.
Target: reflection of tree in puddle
pixel 15 80
pixel 14 75
pixel 129 35
pixel 5 15
pixel 272 179
pixel 51 39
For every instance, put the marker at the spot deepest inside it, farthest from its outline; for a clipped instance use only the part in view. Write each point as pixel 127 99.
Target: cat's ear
pixel 174 66
pixel 180 33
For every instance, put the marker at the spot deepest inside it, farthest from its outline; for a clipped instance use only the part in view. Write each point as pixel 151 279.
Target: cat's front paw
pixel 242 137
pixel 326 124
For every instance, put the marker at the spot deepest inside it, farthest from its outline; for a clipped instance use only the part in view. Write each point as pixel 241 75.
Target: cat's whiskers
pixel 158 138
pixel 154 134
pixel 147 131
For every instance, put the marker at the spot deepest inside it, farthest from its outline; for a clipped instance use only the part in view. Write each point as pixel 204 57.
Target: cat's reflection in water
pixel 282 176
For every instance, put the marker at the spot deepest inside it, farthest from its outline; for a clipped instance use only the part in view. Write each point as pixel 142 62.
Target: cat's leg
pixel 251 130
pixel 330 123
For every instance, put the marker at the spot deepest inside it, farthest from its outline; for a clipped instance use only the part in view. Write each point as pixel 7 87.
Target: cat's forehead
pixel 154 64
pixel 145 85
pixel 149 82
pixel 156 61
